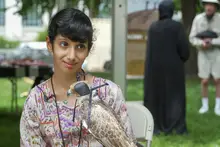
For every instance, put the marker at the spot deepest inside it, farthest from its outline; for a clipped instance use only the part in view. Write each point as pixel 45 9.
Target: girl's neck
pixel 62 81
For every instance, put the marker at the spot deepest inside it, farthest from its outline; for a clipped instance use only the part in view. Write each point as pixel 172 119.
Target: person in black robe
pixel 164 78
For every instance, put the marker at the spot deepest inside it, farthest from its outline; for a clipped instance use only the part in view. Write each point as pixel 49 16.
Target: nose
pixel 71 54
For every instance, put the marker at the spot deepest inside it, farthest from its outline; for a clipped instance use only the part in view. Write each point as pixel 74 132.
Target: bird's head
pixel 80 88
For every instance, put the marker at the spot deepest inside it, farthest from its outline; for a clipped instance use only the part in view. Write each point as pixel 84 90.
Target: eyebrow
pixel 66 39
pixel 61 38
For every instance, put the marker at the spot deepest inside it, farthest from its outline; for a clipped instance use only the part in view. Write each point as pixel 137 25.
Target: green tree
pixel 48 5
pixel 198 5
pixel 43 5
pixel 93 6
pixel 177 5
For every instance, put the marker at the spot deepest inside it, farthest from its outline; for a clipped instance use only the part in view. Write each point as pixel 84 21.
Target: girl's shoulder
pixel 38 94
pixel 110 90
pixel 97 81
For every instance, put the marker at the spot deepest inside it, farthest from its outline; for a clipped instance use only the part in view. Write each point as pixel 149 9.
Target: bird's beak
pixel 69 92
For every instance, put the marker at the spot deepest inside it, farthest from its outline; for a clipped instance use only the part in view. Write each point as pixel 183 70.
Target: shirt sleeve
pixel 121 108
pixel 116 101
pixel 192 37
pixel 216 42
pixel 30 135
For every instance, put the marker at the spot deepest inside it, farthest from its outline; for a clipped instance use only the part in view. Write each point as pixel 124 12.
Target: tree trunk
pixel 188 8
pixel 188 11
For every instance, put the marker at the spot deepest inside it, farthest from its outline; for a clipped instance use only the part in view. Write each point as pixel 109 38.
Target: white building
pixel 15 27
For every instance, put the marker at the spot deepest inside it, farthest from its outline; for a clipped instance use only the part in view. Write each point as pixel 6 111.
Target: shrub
pixel 5 44
pixel 41 36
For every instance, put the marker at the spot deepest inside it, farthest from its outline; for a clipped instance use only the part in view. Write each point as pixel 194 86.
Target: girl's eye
pixel 63 44
pixel 80 46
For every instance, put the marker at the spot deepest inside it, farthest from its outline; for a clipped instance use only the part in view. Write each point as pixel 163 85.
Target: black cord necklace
pixel 57 111
pixel 61 132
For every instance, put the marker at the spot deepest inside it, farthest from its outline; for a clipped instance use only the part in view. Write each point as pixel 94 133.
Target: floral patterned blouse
pixel 39 125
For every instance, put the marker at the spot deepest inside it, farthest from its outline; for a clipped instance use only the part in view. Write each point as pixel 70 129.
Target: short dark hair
pixel 73 24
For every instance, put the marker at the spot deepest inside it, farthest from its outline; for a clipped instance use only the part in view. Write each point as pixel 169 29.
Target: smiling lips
pixel 69 65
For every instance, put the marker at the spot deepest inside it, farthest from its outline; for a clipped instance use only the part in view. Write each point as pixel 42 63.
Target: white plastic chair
pixel 142 122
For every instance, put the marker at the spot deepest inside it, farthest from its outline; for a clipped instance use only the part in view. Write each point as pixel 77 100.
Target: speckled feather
pixel 105 125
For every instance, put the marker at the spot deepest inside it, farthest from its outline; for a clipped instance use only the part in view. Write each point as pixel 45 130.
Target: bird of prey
pixel 100 119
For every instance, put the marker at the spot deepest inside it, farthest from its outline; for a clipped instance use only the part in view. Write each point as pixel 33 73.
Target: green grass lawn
pixel 204 129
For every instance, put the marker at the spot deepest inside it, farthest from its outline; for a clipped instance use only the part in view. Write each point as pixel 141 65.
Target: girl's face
pixel 68 55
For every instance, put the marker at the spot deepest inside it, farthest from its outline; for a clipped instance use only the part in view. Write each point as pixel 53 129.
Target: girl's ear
pixel 49 45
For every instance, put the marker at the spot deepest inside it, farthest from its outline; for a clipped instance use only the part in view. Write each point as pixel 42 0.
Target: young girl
pixel 49 117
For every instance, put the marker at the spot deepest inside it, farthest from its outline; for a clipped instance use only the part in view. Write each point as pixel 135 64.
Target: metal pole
pixel 148 143
pixel 119 43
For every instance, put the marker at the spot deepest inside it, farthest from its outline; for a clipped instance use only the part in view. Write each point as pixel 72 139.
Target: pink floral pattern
pixel 39 122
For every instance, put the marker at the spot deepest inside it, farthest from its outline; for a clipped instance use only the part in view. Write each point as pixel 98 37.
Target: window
pixel 32 18
pixel 2 12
